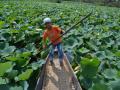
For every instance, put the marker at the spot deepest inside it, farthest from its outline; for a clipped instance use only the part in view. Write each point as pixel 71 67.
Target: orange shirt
pixel 53 34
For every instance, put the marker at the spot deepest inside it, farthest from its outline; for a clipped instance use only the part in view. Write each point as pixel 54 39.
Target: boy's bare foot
pixel 61 63
pixel 51 62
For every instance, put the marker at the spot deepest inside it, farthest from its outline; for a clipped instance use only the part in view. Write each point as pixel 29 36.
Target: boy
pixel 52 33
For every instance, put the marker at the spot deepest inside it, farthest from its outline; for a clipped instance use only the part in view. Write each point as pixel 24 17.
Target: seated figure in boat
pixel 53 33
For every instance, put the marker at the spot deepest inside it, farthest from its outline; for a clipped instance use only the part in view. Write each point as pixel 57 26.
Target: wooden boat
pixel 55 77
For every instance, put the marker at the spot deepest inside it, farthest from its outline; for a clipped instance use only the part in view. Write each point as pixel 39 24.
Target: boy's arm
pixel 60 30
pixel 44 39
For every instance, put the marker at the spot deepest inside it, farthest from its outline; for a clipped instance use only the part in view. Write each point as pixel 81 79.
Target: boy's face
pixel 48 25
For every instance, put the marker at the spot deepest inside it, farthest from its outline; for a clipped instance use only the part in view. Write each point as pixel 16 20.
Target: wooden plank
pixel 72 74
pixel 41 76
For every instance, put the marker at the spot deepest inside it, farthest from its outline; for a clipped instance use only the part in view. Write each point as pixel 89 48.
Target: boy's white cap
pixel 46 20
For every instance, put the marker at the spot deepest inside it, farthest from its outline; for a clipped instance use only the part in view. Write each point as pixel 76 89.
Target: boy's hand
pixel 62 31
pixel 44 46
